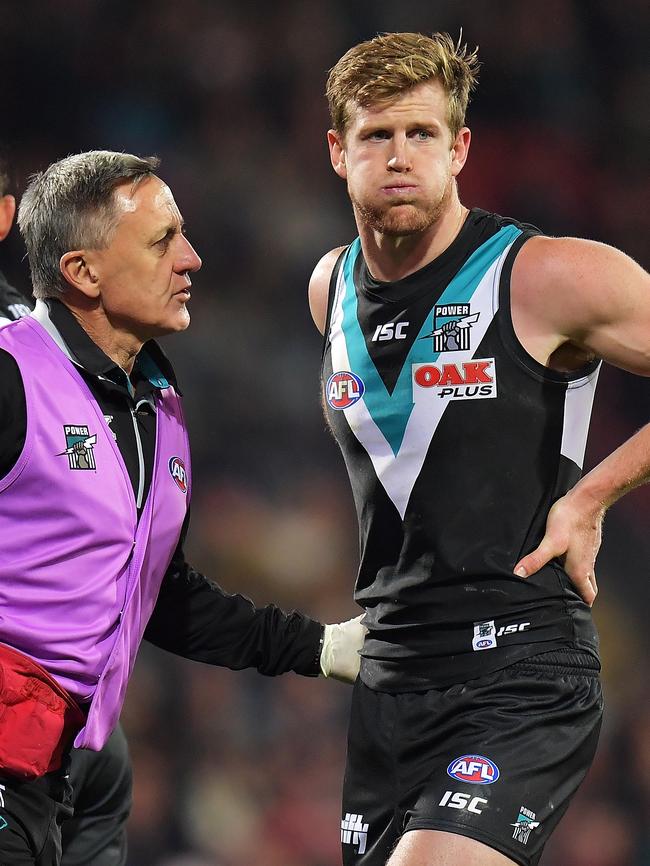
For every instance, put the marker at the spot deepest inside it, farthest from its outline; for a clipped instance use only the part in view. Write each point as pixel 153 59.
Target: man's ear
pixel 7 213
pixel 460 151
pixel 78 270
pixel 337 153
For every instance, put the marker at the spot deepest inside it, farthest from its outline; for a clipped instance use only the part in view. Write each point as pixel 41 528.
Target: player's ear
pixel 337 152
pixel 7 213
pixel 460 151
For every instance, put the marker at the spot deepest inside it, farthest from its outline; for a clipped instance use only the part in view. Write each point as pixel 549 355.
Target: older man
pixel 94 491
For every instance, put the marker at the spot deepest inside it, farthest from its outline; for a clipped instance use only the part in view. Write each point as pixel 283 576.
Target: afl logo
pixel 473 768
pixel 343 390
pixel 178 473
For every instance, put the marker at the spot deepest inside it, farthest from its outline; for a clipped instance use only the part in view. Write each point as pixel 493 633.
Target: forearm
pixel 624 469
pixel 196 619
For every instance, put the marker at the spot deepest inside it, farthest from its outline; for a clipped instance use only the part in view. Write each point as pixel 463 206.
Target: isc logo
pixel 469 380
pixel 178 473
pixel 473 768
pixel 390 331
pixel 343 389
pixel 456 800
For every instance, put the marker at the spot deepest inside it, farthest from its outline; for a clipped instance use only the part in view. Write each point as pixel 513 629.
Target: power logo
pixel 470 380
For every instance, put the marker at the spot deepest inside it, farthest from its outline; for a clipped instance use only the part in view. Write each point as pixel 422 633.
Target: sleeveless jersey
pixel 456 442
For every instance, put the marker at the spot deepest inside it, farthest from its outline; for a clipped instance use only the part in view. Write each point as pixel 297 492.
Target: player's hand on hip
pixel 342 643
pixel 573 535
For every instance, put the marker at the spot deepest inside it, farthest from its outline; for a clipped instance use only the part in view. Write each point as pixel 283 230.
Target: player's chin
pixel 405 219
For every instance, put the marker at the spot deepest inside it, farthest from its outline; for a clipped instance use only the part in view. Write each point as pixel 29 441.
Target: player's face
pixel 143 275
pixel 399 160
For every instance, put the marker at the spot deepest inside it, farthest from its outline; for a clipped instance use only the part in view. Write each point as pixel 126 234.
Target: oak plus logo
pixel 468 380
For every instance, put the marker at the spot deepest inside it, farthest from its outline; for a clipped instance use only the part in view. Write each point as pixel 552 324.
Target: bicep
pixel 589 295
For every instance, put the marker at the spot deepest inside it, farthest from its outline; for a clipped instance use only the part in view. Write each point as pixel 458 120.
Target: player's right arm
pixel 319 286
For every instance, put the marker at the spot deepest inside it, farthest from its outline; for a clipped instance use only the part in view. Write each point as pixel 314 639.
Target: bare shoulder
pixel 575 271
pixel 319 287
pixel 583 293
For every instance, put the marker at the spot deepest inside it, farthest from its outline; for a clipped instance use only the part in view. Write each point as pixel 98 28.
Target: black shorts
pixel 75 816
pixel 496 759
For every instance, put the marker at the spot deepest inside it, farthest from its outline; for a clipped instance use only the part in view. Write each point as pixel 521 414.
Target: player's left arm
pixel 597 300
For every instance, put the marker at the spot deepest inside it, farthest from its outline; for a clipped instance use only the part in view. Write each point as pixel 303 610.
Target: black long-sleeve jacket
pixel 193 616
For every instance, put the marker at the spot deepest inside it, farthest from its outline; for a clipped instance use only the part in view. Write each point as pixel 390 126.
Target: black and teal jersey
pixel 456 442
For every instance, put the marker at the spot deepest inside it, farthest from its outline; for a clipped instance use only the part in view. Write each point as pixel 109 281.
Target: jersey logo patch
pixel 452 324
pixel 469 380
pixel 178 473
pixel 79 446
pixel 343 389
pixel 475 769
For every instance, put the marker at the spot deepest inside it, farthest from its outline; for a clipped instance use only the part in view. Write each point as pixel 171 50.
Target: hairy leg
pixel 437 848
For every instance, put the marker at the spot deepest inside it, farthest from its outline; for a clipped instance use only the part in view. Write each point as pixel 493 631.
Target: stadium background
pixel 233 769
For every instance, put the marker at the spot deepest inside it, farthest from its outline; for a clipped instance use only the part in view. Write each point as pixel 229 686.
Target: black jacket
pixel 193 616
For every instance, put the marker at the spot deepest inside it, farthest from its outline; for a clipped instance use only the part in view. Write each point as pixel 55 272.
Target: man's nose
pixel 189 260
pixel 400 159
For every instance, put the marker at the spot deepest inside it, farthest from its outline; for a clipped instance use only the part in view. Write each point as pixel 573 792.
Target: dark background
pixel 233 769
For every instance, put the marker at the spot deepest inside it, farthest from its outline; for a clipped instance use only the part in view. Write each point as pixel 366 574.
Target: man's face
pixel 399 160
pixel 143 275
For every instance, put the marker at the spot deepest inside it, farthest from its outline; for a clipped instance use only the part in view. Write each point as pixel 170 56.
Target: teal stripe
pixel 391 412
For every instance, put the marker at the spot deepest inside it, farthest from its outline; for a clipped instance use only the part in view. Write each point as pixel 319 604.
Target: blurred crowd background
pixel 233 769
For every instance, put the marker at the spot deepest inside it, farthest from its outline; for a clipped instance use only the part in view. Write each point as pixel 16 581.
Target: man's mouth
pixel 399 189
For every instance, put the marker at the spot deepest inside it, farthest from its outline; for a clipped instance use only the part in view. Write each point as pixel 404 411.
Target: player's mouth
pixel 183 294
pixel 401 189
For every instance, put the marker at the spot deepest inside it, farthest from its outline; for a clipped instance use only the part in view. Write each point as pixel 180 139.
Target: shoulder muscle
pixel 319 287
pixel 586 293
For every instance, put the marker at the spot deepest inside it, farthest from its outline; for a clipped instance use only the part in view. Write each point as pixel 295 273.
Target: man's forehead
pixel 151 196
pixel 426 98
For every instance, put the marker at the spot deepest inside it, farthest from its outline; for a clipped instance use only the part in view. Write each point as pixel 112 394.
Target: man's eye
pixel 422 134
pixel 378 135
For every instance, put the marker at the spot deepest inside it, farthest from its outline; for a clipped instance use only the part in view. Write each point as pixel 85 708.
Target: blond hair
pixel 384 67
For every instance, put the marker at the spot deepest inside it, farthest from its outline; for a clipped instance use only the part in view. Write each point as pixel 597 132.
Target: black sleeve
pixel 13 413
pixel 196 619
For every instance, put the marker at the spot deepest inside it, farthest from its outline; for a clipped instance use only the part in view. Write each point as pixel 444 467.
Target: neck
pixel 391 258
pixel 120 345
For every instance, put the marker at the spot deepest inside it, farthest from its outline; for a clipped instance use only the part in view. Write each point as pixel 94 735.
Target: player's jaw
pixel 402 210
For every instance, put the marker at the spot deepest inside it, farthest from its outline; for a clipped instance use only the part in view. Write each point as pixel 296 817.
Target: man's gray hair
pixel 71 206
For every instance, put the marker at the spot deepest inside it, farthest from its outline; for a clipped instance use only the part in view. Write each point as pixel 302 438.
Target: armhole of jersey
pixel 331 295
pixel 507 330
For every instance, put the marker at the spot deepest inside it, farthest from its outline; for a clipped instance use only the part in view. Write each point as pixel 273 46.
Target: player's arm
pixel 195 618
pixel 319 286
pixel 596 299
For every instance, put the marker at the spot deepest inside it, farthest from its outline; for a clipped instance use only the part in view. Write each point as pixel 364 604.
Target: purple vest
pixel 79 575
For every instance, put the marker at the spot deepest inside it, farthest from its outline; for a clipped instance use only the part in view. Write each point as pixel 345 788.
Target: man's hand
pixel 573 534
pixel 339 656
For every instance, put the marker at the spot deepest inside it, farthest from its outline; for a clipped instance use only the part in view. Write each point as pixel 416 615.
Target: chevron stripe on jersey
pixel 396 428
